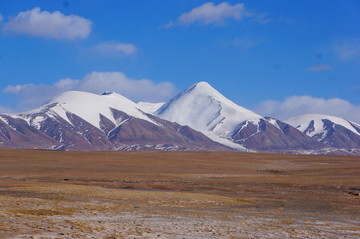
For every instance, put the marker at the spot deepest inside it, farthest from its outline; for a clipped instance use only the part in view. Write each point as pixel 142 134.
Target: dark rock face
pixel 338 136
pixel 16 133
pixel 130 133
pixel 166 134
pixel 44 130
pixel 265 136
pixel 357 127
pixel 310 128
pixel 189 135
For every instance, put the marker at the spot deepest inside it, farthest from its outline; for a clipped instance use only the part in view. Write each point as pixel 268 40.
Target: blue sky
pixel 279 58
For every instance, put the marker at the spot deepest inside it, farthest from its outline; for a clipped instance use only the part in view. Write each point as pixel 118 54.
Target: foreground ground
pixel 177 195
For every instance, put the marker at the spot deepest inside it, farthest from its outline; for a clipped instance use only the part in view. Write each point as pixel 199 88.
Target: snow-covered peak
pixel 203 108
pixel 148 107
pixel 203 85
pixel 313 124
pixel 89 106
pixel 205 89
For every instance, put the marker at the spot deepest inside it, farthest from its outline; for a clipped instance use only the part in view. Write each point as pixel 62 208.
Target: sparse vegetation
pixel 167 194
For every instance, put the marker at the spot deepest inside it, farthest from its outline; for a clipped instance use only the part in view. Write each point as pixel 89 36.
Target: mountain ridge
pixel 205 109
pixel 330 130
pixel 198 118
pixel 85 121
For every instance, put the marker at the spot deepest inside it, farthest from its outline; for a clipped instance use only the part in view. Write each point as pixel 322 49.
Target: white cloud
pixel 66 84
pixel 53 25
pixel 32 95
pixel 142 89
pixel 116 48
pixel 169 25
pixel 348 49
pixel 15 89
pixel 298 105
pixel 319 68
pixel 209 13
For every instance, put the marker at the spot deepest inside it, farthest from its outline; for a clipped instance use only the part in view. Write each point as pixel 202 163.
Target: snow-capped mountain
pixel 205 109
pixel 84 121
pixel 89 107
pixel 330 130
pixel 149 108
pixel 199 118
pixel 272 135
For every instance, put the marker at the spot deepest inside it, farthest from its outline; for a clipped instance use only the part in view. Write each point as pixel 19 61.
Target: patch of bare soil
pixel 47 194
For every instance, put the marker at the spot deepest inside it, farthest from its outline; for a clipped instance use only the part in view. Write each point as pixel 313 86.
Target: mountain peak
pixel 302 122
pixel 89 106
pixel 330 130
pixel 204 108
pixel 107 92
pixel 203 87
pixel 203 84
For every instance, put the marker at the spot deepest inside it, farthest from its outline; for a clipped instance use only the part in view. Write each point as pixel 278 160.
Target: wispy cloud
pixel 32 95
pixel 15 88
pixel 1 18
pixel 261 18
pixel 53 25
pixel 212 14
pixel 116 48
pixel 348 49
pixel 320 68
pixel 209 13
pixel 243 43
pixel 298 105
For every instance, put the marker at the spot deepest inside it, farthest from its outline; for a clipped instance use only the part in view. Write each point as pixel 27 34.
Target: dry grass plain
pixel 46 194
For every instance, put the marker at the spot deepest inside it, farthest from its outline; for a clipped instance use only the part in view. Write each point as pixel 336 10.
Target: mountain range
pixel 334 132
pixel 197 119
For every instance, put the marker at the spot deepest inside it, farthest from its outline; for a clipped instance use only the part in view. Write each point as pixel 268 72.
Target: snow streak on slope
pixel 313 124
pixel 149 108
pixel 203 108
pixel 227 142
pixel 89 107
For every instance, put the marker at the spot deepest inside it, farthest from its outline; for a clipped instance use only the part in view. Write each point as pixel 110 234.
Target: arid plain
pixel 48 194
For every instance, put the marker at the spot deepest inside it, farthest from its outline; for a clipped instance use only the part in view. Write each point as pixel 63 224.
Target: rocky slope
pixel 332 131
pixel 84 121
pixel 199 118
pixel 205 109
